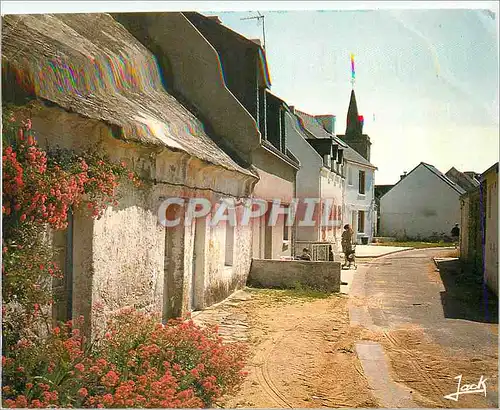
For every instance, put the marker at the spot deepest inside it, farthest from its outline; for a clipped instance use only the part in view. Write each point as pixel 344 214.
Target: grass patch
pixel 299 291
pixel 416 245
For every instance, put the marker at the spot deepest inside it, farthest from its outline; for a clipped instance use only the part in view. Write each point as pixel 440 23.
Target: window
pixel 262 112
pixel 361 189
pixel 283 131
pixel 349 176
pixel 361 221
pixel 286 228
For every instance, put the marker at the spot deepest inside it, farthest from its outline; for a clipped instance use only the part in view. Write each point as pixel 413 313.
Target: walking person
pixel 346 242
pixel 455 235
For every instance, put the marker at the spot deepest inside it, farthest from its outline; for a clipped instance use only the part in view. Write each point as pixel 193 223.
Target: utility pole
pixel 259 17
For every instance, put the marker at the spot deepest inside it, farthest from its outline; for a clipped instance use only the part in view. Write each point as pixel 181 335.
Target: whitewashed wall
pixel 308 176
pixel 419 206
pixel 120 259
pixel 354 201
pixel 332 189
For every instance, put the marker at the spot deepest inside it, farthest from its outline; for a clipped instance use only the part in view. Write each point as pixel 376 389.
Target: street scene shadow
pixel 466 297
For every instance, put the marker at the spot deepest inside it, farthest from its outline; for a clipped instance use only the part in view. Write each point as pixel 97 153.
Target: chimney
pixel 327 121
pixel 403 176
pixel 215 18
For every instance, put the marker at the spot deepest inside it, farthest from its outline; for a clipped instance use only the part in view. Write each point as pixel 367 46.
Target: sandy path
pixel 302 353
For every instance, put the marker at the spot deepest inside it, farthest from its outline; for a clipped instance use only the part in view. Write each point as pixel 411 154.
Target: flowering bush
pixel 137 363
pixel 40 188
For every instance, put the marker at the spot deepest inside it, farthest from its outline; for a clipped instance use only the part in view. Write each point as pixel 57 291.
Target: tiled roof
pixel 354 156
pixel 462 179
pixel 442 176
pixel 311 124
pixel 90 64
pixel 436 172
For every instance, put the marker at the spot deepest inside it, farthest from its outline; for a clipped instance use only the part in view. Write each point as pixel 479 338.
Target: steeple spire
pixel 354 125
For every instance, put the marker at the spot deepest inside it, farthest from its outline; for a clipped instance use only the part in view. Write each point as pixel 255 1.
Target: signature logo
pixel 480 387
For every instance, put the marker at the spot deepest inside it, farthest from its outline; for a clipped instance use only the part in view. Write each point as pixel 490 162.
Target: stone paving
pixel 232 322
pixel 378 372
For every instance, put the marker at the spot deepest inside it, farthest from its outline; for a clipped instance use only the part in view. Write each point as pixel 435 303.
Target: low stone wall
pixel 270 273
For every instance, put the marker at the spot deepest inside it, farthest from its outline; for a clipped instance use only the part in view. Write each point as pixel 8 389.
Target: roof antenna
pixel 258 18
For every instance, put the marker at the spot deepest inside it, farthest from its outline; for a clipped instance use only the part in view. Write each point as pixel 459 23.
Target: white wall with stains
pixel 126 257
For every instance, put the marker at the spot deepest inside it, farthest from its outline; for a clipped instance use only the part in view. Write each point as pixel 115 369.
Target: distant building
pixel 424 204
pixel 380 190
pixel 479 227
pixel 466 181
pixel 359 192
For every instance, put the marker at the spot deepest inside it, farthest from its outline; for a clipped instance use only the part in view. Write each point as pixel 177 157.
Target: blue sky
pixel 426 80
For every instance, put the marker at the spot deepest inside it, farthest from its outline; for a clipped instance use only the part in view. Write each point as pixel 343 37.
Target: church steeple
pixel 354 121
pixel 354 131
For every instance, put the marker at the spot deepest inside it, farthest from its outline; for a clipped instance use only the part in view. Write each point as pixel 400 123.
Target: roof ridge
pixel 439 174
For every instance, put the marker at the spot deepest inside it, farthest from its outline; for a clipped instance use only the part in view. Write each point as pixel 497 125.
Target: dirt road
pixel 303 353
pixel 303 344
pixel 434 323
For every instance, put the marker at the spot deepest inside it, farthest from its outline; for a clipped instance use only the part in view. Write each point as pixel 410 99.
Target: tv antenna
pixel 259 17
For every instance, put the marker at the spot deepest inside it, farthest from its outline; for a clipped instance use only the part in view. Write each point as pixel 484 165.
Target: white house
pixel 359 195
pixel 423 204
pixel 359 209
pixel 321 175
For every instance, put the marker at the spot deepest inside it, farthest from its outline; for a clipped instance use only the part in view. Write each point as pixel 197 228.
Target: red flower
pixel 83 392
pixel 107 399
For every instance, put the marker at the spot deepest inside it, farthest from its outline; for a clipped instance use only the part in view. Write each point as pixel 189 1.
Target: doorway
pixel 173 264
pixel 198 265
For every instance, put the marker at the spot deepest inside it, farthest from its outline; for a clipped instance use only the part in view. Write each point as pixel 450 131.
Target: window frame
pixel 361 218
pixel 362 179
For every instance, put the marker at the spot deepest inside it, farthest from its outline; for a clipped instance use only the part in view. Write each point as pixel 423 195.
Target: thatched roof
pixel 90 64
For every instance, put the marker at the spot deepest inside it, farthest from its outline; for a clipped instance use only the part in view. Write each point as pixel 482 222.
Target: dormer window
pixel 327 161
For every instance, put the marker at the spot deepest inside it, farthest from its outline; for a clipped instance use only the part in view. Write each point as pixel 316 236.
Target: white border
pixel 38 7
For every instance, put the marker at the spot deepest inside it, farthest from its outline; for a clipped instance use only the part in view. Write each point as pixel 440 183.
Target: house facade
pixel 321 177
pixel 380 190
pixel 424 204
pixel 359 209
pixel 489 181
pixel 479 227
pixel 359 198
pixel 246 75
pixel 471 229
pixel 122 106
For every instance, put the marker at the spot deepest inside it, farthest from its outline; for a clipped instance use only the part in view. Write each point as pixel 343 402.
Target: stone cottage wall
pixel 126 258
